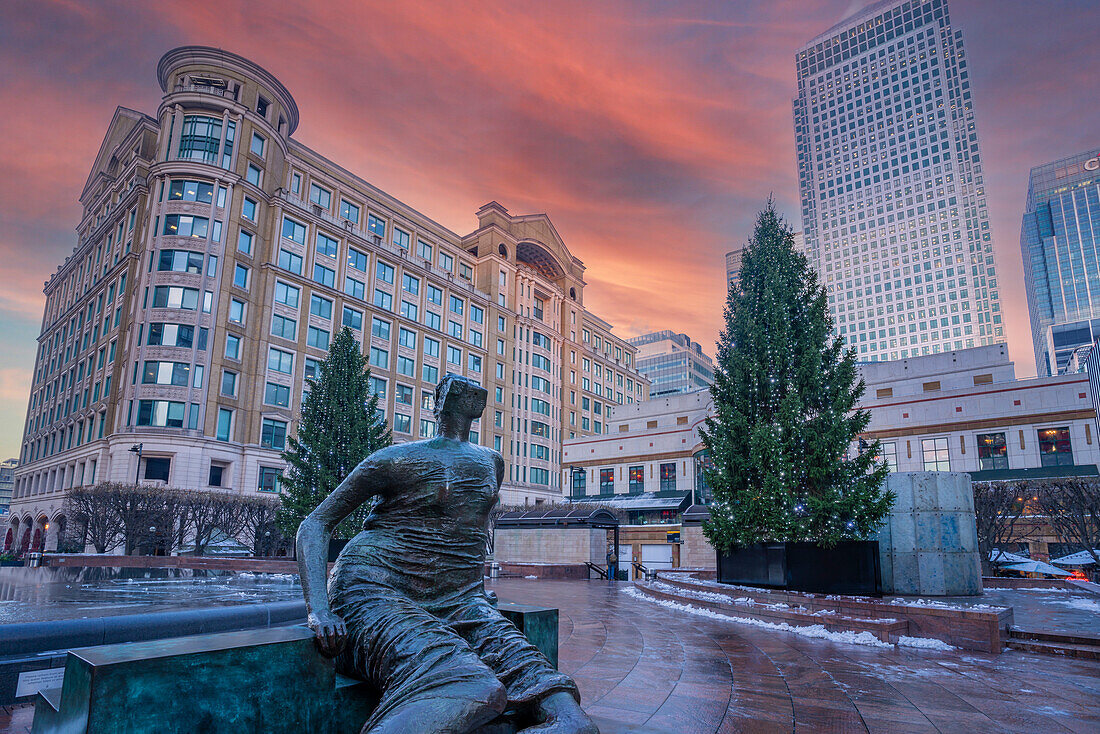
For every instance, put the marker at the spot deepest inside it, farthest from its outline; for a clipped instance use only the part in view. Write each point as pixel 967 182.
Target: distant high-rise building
pixel 7 482
pixel 733 260
pixel 1059 240
pixel 672 362
pixel 893 200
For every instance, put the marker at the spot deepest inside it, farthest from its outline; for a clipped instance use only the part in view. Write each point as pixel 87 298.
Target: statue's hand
pixel 329 631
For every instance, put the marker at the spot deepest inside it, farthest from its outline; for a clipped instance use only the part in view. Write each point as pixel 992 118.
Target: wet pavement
pixel 1046 610
pixel 645 669
pixel 47 594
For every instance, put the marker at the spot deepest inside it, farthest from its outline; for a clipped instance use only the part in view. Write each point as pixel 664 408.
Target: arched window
pixel 502 250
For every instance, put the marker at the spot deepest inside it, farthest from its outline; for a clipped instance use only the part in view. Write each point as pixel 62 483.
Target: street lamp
pixel 136 449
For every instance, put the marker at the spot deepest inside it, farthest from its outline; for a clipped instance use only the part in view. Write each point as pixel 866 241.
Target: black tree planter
pixel 849 567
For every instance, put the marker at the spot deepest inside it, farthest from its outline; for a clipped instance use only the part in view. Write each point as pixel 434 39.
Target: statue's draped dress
pixel 410 588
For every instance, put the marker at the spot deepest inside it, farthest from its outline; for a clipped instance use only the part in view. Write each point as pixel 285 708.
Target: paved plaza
pixel 645 669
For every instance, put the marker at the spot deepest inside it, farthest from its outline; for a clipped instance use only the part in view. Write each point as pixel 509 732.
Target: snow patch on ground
pixel 924 643
pixel 816 631
pixel 530 577
pixel 1087 605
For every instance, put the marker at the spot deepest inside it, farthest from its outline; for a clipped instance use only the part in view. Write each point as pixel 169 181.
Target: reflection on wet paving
pixel 46 594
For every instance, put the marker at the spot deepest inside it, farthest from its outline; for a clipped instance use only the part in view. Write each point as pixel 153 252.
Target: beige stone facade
pixel 217 257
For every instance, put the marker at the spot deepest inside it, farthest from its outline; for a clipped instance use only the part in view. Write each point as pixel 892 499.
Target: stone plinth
pixel 696 551
pixel 550 545
pixel 929 542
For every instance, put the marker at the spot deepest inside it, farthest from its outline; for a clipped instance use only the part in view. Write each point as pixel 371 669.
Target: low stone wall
pixel 572 571
pixel 984 630
pixel 696 551
pixel 255 565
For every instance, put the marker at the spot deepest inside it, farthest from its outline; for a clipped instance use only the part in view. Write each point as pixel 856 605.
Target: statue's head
pixel 459 396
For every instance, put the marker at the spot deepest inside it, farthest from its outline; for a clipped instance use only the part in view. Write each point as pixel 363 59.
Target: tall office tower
pixel 672 363
pixel 216 258
pixel 733 260
pixel 893 204
pixel 7 482
pixel 1059 240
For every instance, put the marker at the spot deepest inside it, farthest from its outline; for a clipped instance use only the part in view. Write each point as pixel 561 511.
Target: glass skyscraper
pixel 893 203
pixel 1059 241
pixel 672 362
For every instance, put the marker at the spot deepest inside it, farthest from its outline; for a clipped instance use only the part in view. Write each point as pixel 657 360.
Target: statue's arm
pixel 361 484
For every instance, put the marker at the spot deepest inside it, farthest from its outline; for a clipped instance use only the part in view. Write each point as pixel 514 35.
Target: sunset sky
pixel 651 133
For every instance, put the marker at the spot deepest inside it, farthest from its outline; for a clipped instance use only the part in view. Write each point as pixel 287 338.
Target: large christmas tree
pixel 339 427
pixel 785 418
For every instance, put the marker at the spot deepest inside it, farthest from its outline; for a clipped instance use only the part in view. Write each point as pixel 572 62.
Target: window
pixel 427 428
pixel 429 374
pixel 232 346
pixel 270 479
pixel 166 373
pixel 175 297
pixel 229 383
pixel 273 434
pixel 196 191
pixel 252 175
pixel 157 468
pixel 435 295
pixel 294 231
pixel 454 355
pixel 668 477
pixel 457 305
pixel 890 455
pixel 349 211
pixel 401 238
pixel 540 406
pixel 607 481
pixel 537 311
pixel 406 338
pixel 225 424
pixel 376 226
pixel 404 394
pixel 257 146
pixel 287 294
pixel 465 271
pixel 244 242
pixel 384 272
pixel 383 300
pixel 454 329
pixel 357 259
pixel 290 262
pixel 248 209
pixel 240 277
pixel 325 276
pixel 280 361
pixel 276 394
pixel 321 307
pixel 992 451
pixel 473 363
pixel 320 196
pixel 580 477
pixel 432 320
pixel 931 386
pixel 1054 447
pixel 200 139
pixel 353 318
pixel 317 337
pixel 312 368
pixel 431 347
pixel 170 335
pixel 637 479
pixel 160 413
pixel 406 366
pixel 379 358
pixel 185 225
pixel 446 262
pixel 540 429
pixel 424 250
pixel 409 284
pixel 326 245
pixel 409 310
pixel 214 479
pixel 236 311
pixel 283 327
pixel 477 314
pixel 180 261
pixel 380 328
pixel 402 423
pixel 936 454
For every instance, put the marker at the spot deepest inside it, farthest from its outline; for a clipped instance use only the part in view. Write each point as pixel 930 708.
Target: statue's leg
pixel 431 681
pixel 527 675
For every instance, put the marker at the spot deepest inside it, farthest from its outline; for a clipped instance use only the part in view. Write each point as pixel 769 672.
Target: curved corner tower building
pixel 891 181
pixel 216 258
